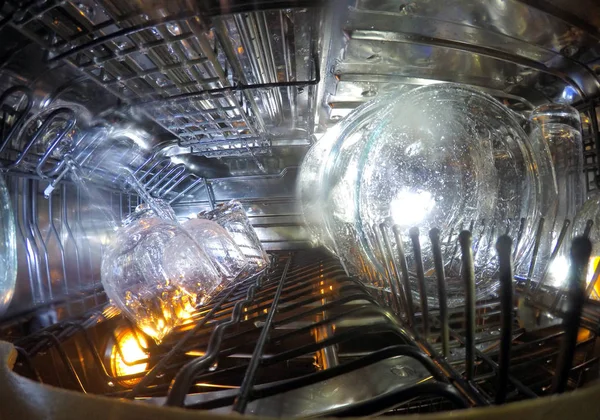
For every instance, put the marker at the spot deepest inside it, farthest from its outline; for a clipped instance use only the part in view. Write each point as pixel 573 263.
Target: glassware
pixel 440 156
pixel 558 127
pixel 233 218
pixel 323 175
pixel 8 249
pixel 216 242
pixel 156 273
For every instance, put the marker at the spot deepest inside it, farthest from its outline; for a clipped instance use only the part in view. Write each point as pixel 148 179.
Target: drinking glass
pixel 233 218
pixel 558 127
pixel 156 273
pixel 217 244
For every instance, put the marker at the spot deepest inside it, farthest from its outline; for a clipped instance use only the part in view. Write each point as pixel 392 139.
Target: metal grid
pixel 307 317
pixel 591 144
pixel 49 142
pixel 167 64
pixel 59 243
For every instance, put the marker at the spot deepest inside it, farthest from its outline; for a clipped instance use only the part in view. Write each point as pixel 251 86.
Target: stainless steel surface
pixel 327 397
pixel 211 101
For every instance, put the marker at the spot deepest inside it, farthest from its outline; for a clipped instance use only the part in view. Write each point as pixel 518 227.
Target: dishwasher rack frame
pixel 306 283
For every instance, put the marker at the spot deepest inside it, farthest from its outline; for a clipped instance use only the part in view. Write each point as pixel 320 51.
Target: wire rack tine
pixel 468 275
pixel 241 402
pixel 503 247
pixel 581 250
pixel 434 236
pixel 396 281
pixel 387 268
pixel 405 275
pixel 414 237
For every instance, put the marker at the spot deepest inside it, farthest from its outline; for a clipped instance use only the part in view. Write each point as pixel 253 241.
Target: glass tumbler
pixel 156 273
pixel 233 218
pixel 8 249
pixel 216 242
pixel 558 127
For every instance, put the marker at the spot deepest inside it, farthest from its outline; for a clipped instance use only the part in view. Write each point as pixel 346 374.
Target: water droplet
pixel 173 28
pixel 86 10
pixel 369 93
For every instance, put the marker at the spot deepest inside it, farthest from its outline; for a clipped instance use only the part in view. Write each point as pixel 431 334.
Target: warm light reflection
pixel 167 314
pixel 195 353
pixel 131 348
pixel 217 386
pixel 592 267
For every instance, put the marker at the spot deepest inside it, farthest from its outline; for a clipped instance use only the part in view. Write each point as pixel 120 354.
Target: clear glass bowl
pixel 232 217
pixel 156 273
pixel 217 244
pixel 8 249
pixel 442 156
pixel 450 157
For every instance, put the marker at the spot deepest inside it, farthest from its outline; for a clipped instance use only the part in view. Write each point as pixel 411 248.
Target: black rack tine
pixel 156 370
pixel 250 376
pixel 396 282
pixel 388 270
pixel 581 250
pixel 536 248
pixel 414 237
pixel 438 261
pixel 186 374
pixel 468 275
pixel 503 247
pixel 405 275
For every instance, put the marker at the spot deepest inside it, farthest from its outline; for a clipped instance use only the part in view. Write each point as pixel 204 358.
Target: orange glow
pixel 583 334
pixel 240 50
pixel 195 353
pixel 132 350
pixel 593 265
pixel 217 386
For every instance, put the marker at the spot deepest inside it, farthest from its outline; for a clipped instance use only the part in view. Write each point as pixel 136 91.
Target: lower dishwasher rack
pixel 304 339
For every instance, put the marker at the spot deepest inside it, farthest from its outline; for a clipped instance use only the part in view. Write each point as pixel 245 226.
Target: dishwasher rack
pixel 220 91
pixel 306 317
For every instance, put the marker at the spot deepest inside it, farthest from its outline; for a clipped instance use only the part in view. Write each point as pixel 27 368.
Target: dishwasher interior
pixel 207 102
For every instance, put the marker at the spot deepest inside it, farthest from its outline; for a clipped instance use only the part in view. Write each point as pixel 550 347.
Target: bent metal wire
pixel 307 317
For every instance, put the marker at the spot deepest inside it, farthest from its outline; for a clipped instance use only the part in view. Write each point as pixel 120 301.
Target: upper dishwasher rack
pixel 221 91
